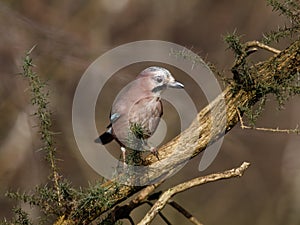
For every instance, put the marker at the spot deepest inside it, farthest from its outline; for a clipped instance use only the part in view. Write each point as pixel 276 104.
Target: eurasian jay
pixel 137 110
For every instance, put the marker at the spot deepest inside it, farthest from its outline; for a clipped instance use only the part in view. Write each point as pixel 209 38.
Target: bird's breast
pixel 140 118
pixel 146 114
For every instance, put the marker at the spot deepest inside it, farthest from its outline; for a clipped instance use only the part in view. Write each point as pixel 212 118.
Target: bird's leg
pixel 123 149
pixel 152 149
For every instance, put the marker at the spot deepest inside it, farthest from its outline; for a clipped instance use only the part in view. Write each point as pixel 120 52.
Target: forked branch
pixel 167 195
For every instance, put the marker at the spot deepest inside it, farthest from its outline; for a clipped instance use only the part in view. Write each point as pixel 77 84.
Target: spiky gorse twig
pixel 39 100
pixel 245 77
pixel 289 9
pixel 21 217
pixel 58 197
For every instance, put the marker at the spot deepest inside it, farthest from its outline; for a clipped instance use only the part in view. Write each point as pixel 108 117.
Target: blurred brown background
pixel 72 34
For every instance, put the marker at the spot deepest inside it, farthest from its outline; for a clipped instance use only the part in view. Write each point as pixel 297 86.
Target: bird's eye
pixel 158 79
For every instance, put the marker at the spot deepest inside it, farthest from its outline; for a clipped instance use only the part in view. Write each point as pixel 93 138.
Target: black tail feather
pixel 105 138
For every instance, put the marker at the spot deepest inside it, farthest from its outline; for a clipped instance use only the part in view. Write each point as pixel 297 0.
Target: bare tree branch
pixel 184 212
pixel 161 215
pixel 122 212
pixel 256 44
pixel 287 131
pixel 164 198
pixel 143 195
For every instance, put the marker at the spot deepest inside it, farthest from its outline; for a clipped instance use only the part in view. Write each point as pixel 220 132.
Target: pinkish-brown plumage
pixel 138 106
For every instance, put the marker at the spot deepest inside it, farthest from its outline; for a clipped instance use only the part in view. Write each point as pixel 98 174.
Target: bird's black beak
pixel 175 84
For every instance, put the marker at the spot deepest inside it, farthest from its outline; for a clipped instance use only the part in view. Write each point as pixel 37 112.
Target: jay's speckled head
pixel 159 79
pixel 139 105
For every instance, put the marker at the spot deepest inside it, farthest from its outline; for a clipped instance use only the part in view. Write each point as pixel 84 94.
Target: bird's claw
pixel 154 151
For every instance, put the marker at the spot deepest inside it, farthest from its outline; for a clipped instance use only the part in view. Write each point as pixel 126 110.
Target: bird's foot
pixel 150 148
pixel 154 151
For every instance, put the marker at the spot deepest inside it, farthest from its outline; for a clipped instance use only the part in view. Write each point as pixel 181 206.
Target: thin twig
pixel 251 47
pixel 256 44
pixel 164 198
pixel 39 99
pixel 288 131
pixel 122 212
pixel 130 220
pixel 184 212
pixel 144 193
pixel 165 219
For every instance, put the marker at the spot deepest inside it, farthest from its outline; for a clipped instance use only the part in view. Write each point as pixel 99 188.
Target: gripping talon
pixel 154 151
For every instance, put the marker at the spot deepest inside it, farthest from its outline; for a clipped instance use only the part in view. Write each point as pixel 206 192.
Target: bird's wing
pixel 114 117
pixel 107 136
